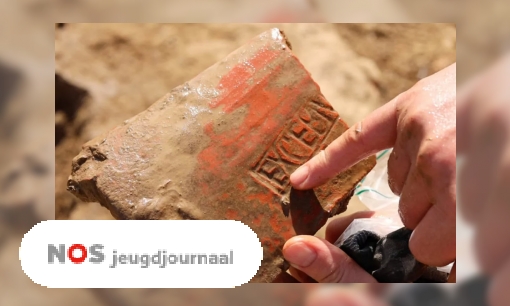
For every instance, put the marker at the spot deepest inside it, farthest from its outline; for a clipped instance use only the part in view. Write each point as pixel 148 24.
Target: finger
pixel 478 175
pixel 498 294
pixel 483 159
pixel 334 296
pixel 488 87
pixel 414 200
pixel 433 241
pixel 492 228
pixel 398 168
pixel 374 133
pixel 337 226
pixel 466 104
pixel 301 276
pixel 378 289
pixel 323 261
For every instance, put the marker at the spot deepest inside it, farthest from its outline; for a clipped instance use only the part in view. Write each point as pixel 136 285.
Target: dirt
pixel 404 53
pixel 115 71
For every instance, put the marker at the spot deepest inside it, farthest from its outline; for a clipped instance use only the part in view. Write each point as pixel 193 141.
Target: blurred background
pixel 61 84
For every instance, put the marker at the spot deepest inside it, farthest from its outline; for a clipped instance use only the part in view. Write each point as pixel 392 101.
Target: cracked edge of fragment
pixel 285 203
pixel 284 38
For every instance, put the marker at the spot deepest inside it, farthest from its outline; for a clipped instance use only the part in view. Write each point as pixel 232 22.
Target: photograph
pixel 288 128
pixel 276 153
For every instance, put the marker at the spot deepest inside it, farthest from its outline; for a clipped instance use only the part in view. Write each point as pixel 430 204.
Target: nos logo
pixel 77 253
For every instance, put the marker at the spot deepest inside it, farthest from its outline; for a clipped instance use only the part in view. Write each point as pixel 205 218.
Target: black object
pixel 10 79
pixel 472 292
pixel 421 295
pixel 389 259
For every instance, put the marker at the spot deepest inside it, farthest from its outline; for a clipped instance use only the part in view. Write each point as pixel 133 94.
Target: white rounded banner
pixel 140 254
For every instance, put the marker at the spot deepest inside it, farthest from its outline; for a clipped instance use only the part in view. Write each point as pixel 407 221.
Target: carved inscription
pixel 296 144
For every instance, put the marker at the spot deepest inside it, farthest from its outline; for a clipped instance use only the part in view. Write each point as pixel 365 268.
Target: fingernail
pixel 299 176
pixel 299 254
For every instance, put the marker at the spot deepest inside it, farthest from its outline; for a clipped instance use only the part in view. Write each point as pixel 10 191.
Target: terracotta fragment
pixel 222 146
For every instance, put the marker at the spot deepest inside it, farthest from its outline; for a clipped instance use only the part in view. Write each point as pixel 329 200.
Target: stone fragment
pixel 222 146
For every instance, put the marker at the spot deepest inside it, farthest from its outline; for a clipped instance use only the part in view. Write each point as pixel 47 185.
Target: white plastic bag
pixel 375 193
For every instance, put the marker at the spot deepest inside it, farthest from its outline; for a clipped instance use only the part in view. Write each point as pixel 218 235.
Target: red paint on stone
pixel 241 187
pixel 232 214
pixel 234 82
pixel 257 220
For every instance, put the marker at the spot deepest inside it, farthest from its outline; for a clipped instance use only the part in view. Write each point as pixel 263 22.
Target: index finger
pixel 376 132
pixel 465 102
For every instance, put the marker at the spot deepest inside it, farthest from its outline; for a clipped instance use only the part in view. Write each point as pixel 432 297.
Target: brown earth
pixel 107 73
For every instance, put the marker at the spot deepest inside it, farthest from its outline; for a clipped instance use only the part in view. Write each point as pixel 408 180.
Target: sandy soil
pixel 107 73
